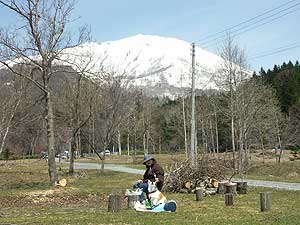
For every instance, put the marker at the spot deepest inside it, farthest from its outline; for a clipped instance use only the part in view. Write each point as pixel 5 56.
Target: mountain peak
pixel 153 61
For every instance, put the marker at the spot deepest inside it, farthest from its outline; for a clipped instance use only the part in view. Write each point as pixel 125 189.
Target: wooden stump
pixel 114 203
pixel 222 187
pixel 199 195
pixel 228 199
pixel 230 188
pixel 241 187
pixel 265 201
pixel 132 199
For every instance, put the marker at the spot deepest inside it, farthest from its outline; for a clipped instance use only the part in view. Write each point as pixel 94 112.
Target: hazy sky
pixel 193 20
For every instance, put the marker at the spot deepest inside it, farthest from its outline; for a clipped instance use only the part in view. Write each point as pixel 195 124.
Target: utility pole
pixel 192 155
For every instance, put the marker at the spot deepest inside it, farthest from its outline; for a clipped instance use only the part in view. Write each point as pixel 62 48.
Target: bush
pixel 10 156
pixel 6 154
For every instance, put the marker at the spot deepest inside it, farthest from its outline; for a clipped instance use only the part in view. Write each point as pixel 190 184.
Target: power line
pixel 259 25
pixel 244 22
pixel 256 24
pixel 275 51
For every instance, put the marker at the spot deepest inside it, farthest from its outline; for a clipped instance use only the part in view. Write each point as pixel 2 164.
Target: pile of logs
pixel 185 177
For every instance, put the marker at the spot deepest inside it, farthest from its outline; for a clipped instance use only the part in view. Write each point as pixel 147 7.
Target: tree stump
pixel 241 187
pixel 265 201
pixel 199 195
pixel 222 187
pixel 114 203
pixel 230 188
pixel 228 199
pixel 132 199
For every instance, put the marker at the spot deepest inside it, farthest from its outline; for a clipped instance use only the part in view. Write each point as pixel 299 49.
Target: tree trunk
pixel 135 141
pixel 233 141
pixel 196 142
pixel 204 139
pixel 222 187
pixel 9 122
pixel 145 143
pixel 199 195
pixel 128 143
pixel 4 137
pixel 89 137
pixel 102 165
pixel 50 140
pixel 114 203
pixel 159 144
pixel 241 149
pixel 93 134
pixel 229 199
pixel 230 188
pixel 212 135
pixel 119 143
pixel 265 201
pixel 278 137
pixel 78 143
pixel 262 145
pixel 217 130
pixel 72 155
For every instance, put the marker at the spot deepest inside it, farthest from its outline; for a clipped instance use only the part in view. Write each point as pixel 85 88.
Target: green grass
pixel 26 199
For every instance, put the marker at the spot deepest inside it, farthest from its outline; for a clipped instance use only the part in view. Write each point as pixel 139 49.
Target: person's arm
pixel 159 173
pixel 145 179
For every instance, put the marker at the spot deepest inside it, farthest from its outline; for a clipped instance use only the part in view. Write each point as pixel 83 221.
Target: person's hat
pixel 147 158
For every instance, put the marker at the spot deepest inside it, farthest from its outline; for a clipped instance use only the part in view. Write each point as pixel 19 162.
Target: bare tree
pixel 11 97
pixel 112 107
pixel 38 42
pixel 264 128
pixel 229 77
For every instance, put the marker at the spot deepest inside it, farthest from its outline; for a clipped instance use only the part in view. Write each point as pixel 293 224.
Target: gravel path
pixel 273 184
pixel 114 167
pixel 255 183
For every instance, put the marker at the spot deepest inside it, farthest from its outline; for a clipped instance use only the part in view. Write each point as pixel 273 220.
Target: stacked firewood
pixel 185 177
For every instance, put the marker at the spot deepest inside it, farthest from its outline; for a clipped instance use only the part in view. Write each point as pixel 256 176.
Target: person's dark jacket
pixel 154 171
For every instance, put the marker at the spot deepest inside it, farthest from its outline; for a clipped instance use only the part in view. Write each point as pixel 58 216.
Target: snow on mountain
pixel 161 65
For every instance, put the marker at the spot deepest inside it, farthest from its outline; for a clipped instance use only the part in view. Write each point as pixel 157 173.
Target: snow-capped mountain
pixel 161 65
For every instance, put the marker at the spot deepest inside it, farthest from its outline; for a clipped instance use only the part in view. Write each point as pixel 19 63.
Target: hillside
pixel 161 64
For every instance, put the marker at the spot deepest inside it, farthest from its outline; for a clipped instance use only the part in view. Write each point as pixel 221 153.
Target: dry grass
pixel 25 198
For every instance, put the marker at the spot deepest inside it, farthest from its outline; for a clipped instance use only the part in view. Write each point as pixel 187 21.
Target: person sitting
pixel 154 172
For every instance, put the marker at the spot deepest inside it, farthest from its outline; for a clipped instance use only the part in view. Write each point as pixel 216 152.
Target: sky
pixel 192 21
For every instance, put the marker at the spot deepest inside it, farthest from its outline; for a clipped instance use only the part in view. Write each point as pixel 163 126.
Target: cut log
pixel 241 187
pixel 132 199
pixel 61 183
pixel 211 191
pixel 215 183
pixel 188 184
pixel 265 201
pixel 114 203
pixel 183 191
pixel 199 195
pixel 228 199
pixel 230 188
pixel 222 187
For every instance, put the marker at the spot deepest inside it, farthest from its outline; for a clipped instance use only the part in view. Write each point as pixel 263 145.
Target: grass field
pixel 25 198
